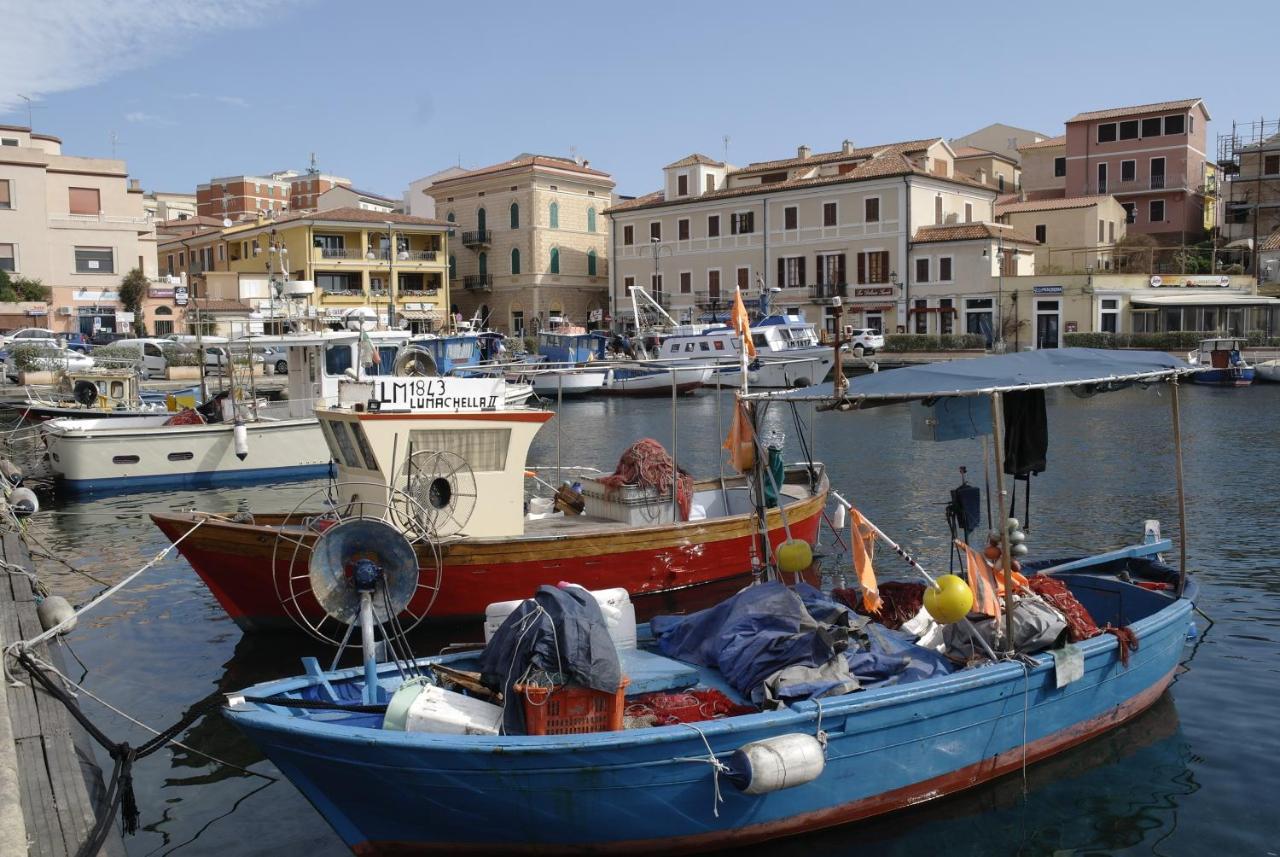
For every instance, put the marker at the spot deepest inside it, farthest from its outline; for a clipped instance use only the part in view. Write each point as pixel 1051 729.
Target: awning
pixel 420 314
pixel 1096 369
pixel 1203 299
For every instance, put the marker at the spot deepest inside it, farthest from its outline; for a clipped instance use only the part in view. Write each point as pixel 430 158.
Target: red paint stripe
pixel 947 784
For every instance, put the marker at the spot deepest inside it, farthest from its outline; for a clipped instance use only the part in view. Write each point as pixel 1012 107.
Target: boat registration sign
pixel 399 393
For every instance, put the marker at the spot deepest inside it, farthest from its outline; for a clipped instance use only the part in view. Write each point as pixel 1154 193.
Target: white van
pixel 151 360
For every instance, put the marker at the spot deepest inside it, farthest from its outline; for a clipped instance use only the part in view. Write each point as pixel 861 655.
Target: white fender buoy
pixel 776 763
pixel 241 435
pixel 24 502
pixel 53 611
pixel 837 518
pixel 10 471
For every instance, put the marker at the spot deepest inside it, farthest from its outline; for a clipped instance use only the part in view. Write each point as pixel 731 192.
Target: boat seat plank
pixel 650 672
pixel 39 812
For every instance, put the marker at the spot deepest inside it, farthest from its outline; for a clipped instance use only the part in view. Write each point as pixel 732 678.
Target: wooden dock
pixel 58 782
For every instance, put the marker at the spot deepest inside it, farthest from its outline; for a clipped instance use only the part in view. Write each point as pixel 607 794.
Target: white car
pixel 218 357
pixel 50 359
pixel 862 340
pixel 31 336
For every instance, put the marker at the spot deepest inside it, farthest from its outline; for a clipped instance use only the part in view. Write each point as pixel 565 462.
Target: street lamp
pixel 899 287
pixel 655 244
pixel 391 277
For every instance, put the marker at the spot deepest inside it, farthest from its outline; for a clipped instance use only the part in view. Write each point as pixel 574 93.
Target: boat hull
pixel 1237 377
pixel 655 382
pixel 120 454
pixel 663 566
pixel 651 791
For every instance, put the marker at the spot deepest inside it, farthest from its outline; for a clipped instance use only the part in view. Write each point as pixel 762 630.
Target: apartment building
pixel 532 241
pixel 345 196
pixel 355 257
pixel 418 200
pixel 1151 157
pixel 76 224
pixel 1072 234
pixel 246 196
pixel 161 205
pixel 1249 157
pixel 1003 172
pixel 893 230
pixel 305 190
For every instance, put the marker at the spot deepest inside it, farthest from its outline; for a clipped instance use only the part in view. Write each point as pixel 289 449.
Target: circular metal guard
pixel 441 490
pixel 415 362
pixel 314 553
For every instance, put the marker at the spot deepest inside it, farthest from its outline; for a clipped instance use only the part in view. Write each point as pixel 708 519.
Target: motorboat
pixel 661 542
pixel 1222 362
pixel 684 735
pixel 98 393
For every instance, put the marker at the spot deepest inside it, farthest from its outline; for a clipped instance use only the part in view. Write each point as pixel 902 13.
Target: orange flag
pixel 982 580
pixel 862 544
pixel 742 451
pixel 742 322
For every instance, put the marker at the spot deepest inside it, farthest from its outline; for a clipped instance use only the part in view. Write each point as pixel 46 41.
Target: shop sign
pixel 874 292
pixel 125 317
pixel 872 308
pixel 37 311
pixel 180 295
pixel 1215 281
pixel 96 296
pixel 1046 290
pixel 160 292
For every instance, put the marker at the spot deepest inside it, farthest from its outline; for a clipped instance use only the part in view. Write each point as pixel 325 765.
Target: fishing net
pixel 647 464
pixel 1080 625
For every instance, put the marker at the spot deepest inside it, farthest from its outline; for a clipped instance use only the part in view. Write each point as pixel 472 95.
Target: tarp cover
pixel 559 631
pixel 765 629
pixel 971 376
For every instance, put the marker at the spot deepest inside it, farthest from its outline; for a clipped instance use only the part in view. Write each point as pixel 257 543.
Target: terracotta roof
pixel 1115 112
pixel 970 232
pixel 892 163
pixel 520 162
pixel 696 158
pixel 1045 144
pixel 178 238
pixel 367 193
pixel 1057 204
pixel 838 155
pixel 974 152
pixel 1271 242
pixel 1008 198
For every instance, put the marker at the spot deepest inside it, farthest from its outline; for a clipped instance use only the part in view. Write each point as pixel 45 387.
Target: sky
pixel 386 92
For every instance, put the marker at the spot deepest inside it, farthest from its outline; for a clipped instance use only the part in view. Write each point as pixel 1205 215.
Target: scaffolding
pixel 1249 163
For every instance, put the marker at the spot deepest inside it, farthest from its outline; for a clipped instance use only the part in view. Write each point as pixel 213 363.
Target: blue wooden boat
pixel 1223 363
pixel 669 789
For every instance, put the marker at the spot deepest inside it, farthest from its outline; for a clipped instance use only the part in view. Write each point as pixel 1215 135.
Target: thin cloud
pixel 137 117
pixel 56 47
pixel 229 100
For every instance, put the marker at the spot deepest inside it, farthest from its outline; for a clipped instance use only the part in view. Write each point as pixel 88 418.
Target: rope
pixel 717 768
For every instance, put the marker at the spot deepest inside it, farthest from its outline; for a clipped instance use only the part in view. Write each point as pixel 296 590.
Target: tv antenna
pixel 30 107
pixel 726 148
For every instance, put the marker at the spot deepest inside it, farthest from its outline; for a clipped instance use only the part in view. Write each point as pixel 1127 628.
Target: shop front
pixel 1229 314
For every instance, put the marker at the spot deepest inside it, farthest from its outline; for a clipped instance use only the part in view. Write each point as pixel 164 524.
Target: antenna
pixel 27 98
pixel 114 138
pixel 313 169
pixel 726 148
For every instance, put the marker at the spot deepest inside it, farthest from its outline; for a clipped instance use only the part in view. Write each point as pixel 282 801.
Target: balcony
pixel 477 282
pixel 327 254
pixel 477 238
pixel 709 301
pixel 1157 182
pixel 827 291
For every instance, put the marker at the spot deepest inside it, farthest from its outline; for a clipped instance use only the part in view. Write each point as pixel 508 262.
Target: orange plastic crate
pixel 572 710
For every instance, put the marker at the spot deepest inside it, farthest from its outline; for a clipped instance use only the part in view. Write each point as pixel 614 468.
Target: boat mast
pixel 997 431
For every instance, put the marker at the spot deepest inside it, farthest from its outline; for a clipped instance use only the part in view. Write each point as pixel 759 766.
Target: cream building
pixel 999 137
pixel 162 205
pixel 531 242
pixel 1074 233
pixel 76 224
pixel 893 230
pixel 989 168
pixel 1044 168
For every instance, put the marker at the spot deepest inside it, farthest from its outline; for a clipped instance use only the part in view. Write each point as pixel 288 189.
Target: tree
pixel 132 290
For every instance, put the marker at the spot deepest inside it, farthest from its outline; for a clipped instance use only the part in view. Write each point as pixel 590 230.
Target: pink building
pixel 1151 158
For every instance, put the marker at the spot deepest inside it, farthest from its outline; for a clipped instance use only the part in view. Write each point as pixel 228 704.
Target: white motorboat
pixel 1267 370
pixel 642 379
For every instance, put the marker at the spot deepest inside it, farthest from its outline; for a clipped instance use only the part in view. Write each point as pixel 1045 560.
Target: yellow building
pixel 355 258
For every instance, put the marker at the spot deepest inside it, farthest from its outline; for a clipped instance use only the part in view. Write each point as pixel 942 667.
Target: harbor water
pixel 1193 775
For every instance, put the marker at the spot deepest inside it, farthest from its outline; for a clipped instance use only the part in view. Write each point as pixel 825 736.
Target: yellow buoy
pixel 794 556
pixel 950 601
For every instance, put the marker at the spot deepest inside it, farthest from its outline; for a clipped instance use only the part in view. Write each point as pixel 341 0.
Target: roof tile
pixel 1055 204
pixel 970 232
pixel 1114 112
pixel 1045 144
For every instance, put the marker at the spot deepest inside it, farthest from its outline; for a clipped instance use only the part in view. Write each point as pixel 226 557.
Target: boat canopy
pixel 1095 369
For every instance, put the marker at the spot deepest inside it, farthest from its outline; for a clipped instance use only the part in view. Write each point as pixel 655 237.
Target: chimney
pixel 803 152
pixel 846 147
pixel 135 184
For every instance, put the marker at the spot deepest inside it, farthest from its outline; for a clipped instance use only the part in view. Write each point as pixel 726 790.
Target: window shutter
pixel 800 273
pixel 782 272
pixel 862 267
pixel 840 280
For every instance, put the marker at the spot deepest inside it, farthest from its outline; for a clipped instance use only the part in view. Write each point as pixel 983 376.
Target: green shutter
pixel 591 262
pixel 515 256
pixel 480 220
pixel 453 267
pixel 555 255
pixel 483 262
pixel 591 220
pixel 555 215
pixel 515 216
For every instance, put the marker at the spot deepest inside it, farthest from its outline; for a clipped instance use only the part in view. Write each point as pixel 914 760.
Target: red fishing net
pixel 647 464
pixel 902 601
pixel 1080 625
pixel 692 706
pixel 185 417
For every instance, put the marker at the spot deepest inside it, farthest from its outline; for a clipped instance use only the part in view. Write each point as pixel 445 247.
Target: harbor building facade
pixel 531 242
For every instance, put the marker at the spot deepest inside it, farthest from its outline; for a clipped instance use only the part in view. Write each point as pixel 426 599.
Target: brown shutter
pixel 782 272
pixel 862 267
pixel 801 272
pixel 840 270
pixel 83 200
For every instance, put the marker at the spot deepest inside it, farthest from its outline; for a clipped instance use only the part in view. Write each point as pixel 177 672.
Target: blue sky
pixel 386 92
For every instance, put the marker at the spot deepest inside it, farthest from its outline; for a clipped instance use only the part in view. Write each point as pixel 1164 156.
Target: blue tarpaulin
pixel 767 628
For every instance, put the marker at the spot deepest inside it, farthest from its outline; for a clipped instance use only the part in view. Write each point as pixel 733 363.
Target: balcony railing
pixel 826 291
pixel 1157 182
pixel 477 238
pixel 707 300
pixel 477 281
pixel 375 255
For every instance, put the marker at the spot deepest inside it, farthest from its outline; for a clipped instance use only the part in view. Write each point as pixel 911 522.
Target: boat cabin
pixel 450 351
pixel 579 347
pixel 1221 353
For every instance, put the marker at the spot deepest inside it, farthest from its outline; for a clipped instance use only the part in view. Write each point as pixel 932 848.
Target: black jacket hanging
pixel 1026 433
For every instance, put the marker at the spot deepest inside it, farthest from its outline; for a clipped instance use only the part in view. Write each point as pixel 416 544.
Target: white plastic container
pixel 615 604
pixel 627 504
pixel 421 707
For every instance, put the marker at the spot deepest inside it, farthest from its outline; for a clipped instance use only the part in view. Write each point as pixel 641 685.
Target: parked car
pixel 77 341
pixel 276 358
pixel 50 359
pixel 150 360
pixel 34 335
pixel 863 340
pixel 106 337
pixel 218 357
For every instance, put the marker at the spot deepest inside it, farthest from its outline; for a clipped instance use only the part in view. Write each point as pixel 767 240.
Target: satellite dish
pixel 328 567
pixel 442 488
pixel 226 222
pixel 415 362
